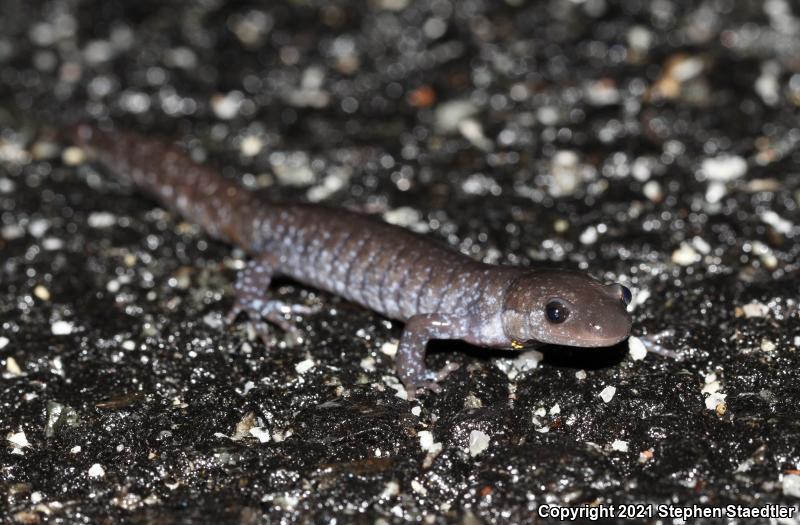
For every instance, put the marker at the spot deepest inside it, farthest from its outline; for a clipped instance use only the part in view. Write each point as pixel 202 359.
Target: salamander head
pixel 565 308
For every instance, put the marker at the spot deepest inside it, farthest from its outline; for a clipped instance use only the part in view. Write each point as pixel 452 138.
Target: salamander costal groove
pixel 439 293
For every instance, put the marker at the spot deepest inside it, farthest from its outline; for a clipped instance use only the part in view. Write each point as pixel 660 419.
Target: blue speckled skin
pixel 439 293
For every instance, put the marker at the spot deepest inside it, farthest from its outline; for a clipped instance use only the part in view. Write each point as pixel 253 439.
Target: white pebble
pixel 12 367
pixel 3 342
pixel 368 364
pixel 389 348
pixel 42 293
pixel 527 360
pixel 724 168
pixel 417 487
pixel 260 433
pixel 251 145
pixel 619 445
pixel 450 114
pixel 62 328
pixel 716 191
pixel 636 348
pixel 589 235
pixel 417 410
pixel 642 168
pixel 97 471
pixel 607 394
pixel 780 224
pixel 427 443
pixel 755 309
pixel 580 375
pixel 717 398
pixel 685 255
pixel 472 130
pixel 73 156
pixel 652 190
pixel 18 439
pixel 791 485
pixel 101 219
pixel 639 38
pixel 227 106
pixel 478 442
pixel 304 366
pixel 75 450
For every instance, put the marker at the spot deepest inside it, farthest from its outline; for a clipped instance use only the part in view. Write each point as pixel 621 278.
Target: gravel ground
pixel 649 143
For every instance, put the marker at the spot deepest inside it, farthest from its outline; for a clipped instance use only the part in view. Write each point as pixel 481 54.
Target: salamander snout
pixel 566 308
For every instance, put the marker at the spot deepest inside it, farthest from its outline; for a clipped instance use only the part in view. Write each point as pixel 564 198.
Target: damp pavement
pixel 649 143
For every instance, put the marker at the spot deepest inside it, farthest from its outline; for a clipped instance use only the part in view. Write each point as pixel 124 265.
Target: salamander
pixel 439 293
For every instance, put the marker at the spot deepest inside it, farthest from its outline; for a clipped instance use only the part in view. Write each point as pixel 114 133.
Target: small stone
pixel 368 364
pixel 73 156
pixel 304 366
pixel 636 348
pixel 227 106
pixel 607 394
pixel 13 368
pixel 714 400
pixel 620 446
pixel 427 443
pixel 62 328
pixel 527 360
pixel 251 145
pixel 18 439
pixel 97 471
pixel 724 168
pixel 472 130
pixel 101 219
pixel 417 487
pixel 685 255
pixel 389 348
pixel 791 485
pixel 589 236
pixel 580 375
pixel 3 342
pixel 716 191
pixel 450 114
pixel 755 309
pixel 261 434
pixel 478 442
pixel 652 190
pixel 42 293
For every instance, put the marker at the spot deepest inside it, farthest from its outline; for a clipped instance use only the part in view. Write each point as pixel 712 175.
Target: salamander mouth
pixel 600 342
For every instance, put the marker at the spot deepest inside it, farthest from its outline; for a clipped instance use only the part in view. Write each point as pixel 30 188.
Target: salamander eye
pixel 556 312
pixel 626 295
pixel 623 292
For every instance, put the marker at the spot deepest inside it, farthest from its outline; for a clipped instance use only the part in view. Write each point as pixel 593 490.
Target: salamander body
pixel 439 293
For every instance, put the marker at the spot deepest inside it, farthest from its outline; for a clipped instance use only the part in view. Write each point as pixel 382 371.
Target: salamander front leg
pixel 410 363
pixel 251 287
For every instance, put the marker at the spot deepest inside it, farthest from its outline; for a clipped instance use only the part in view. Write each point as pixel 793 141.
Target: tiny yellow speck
pixel 516 345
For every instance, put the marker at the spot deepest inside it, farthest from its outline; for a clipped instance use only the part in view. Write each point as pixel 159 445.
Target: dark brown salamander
pixel 438 292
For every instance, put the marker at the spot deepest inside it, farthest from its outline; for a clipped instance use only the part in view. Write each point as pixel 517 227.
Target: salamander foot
pixel 260 313
pixel 430 381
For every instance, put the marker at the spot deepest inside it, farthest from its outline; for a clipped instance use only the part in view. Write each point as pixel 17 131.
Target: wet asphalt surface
pixel 653 144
